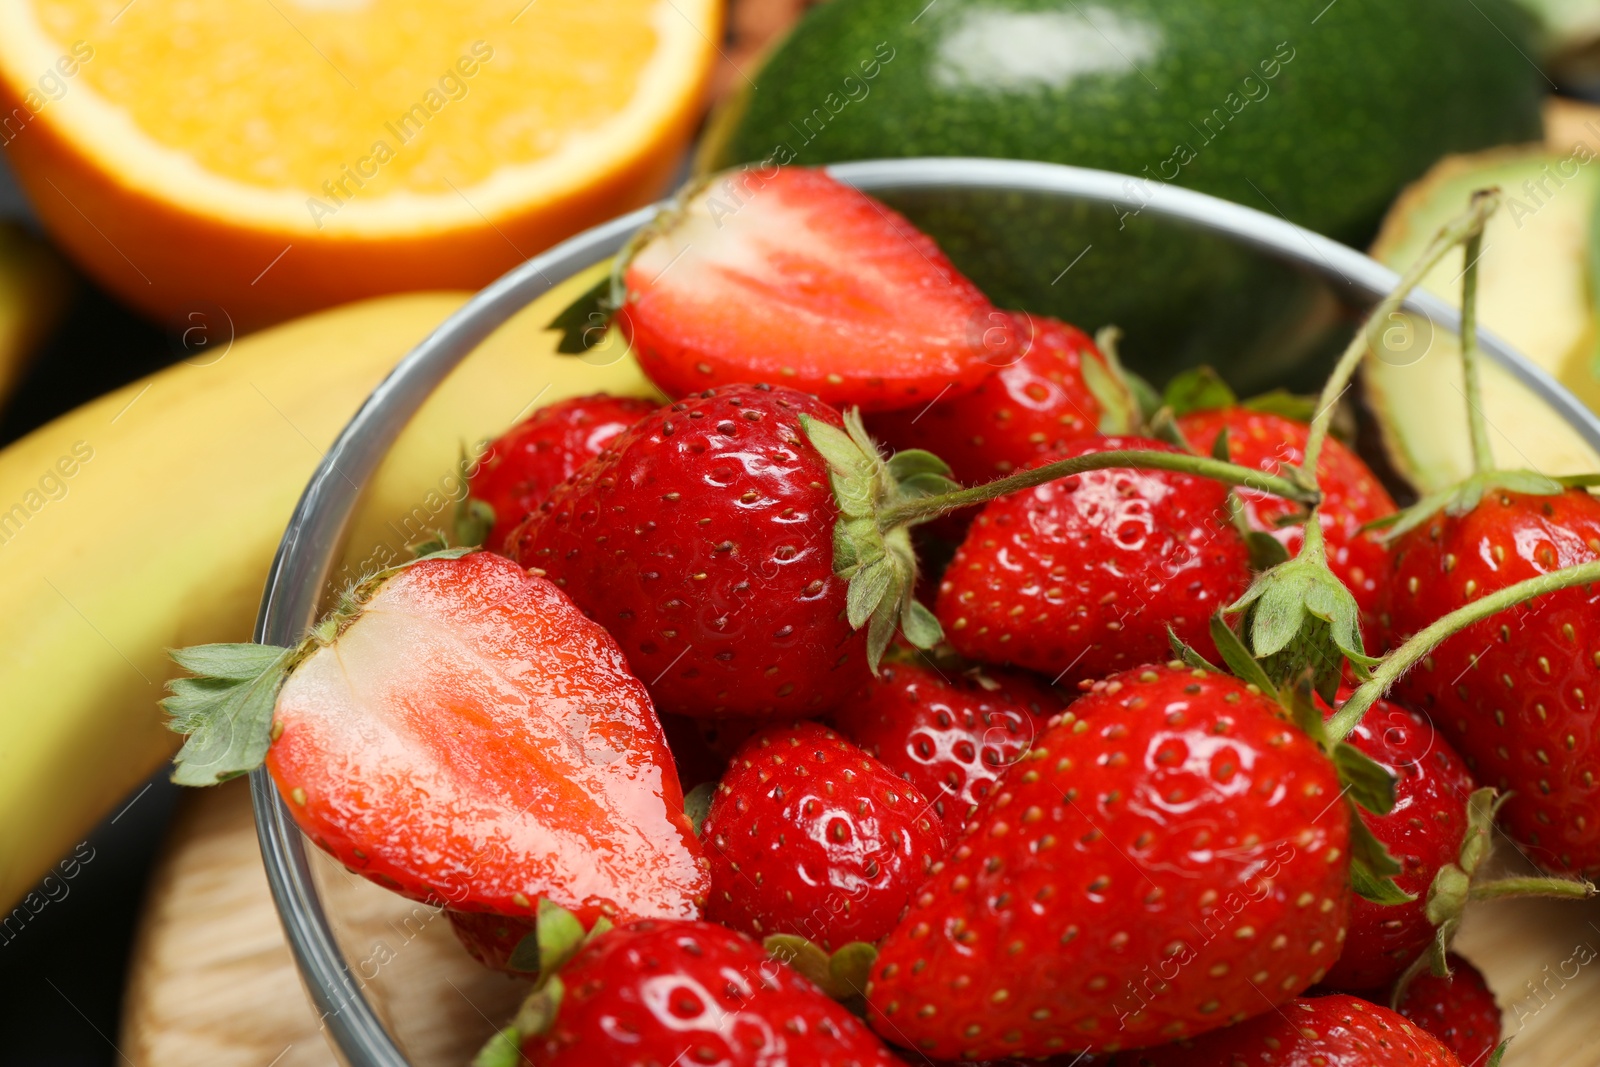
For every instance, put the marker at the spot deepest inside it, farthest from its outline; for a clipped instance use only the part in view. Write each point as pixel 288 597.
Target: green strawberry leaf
pixel 1500 1050
pixel 697 804
pixel 879 565
pixel 1198 389
pixel 559 934
pixel 841 976
pixel 920 627
pixel 913 461
pixel 1119 393
pixel 1370 784
pixel 1284 403
pixel 1462 497
pixel 1372 868
pixel 227 711
pixel 1266 551
pixel 504 1049
pixel 1237 657
pixel 583 323
pixel 1187 654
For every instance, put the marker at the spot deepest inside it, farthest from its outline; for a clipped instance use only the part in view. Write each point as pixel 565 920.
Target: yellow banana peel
pixel 147 520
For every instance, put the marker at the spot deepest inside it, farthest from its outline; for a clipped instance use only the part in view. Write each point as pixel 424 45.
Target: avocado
pixel 1535 290
pixel 1313 110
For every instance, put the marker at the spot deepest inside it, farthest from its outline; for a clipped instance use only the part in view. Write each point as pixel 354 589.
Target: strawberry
pixel 702 539
pixel 1459 1010
pixel 1331 1031
pixel 810 836
pixel 489 938
pixel 797 278
pixel 950 736
pixel 1424 832
pixel 1043 400
pixel 1351 495
pixel 1084 575
pixel 1518 693
pixel 1170 857
pixel 458 732
pixel 523 464
pixel 676 992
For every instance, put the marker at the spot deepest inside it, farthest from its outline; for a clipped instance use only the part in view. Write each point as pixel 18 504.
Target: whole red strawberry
pixel 1460 1011
pixel 676 992
pixel 808 835
pixel 1332 1031
pixel 1351 495
pixel 1170 857
pixel 951 736
pixel 794 277
pixel 1031 407
pixel 702 540
pixel 1424 831
pixel 1084 575
pixel 523 464
pixel 1518 693
pixel 458 732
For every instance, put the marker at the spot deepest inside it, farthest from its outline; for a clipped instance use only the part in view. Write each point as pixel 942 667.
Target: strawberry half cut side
pixel 793 277
pixel 459 732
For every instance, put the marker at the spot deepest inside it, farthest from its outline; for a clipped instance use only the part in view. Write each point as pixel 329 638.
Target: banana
pixel 34 285
pixel 147 520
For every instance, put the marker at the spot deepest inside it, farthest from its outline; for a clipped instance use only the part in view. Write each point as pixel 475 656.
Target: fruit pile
pixel 748 740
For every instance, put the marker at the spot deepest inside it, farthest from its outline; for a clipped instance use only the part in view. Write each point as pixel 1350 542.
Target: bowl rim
pixel 311 541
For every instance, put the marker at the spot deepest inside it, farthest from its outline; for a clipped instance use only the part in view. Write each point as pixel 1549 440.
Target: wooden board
pixel 213 984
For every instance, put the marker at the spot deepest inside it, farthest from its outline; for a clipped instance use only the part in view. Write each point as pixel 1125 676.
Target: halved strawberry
pixel 460 733
pixel 523 464
pixel 795 278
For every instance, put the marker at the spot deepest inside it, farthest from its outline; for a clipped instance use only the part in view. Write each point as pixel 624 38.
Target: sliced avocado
pixel 1534 291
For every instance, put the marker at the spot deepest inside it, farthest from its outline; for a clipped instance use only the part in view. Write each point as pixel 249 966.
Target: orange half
pixel 272 157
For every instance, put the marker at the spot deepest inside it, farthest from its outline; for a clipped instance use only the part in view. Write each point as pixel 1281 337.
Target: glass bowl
pixel 384 974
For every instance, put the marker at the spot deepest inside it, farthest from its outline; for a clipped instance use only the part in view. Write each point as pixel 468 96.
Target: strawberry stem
pixel 1504 888
pixel 1471 358
pixel 1426 640
pixel 931 507
pixel 1451 234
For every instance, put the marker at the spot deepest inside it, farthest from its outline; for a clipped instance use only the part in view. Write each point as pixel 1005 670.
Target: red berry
pixel 490 939
pixel 1518 693
pixel 1084 575
pixel 1351 496
pixel 1030 407
pixel 1460 1011
pixel 795 277
pixel 951 737
pixel 537 454
pixel 809 835
pixel 1332 1031
pixel 1424 832
pixel 470 738
pixel 702 539
pixel 1170 856
pixel 675 992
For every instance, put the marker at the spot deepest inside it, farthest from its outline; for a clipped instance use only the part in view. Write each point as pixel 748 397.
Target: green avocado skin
pixel 1363 100
pixel 1314 111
